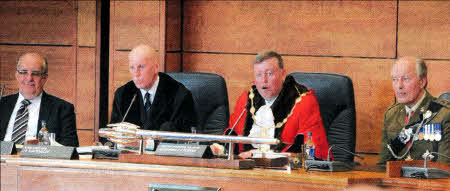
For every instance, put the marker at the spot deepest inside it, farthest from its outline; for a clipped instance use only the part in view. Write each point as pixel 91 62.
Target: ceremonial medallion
pixel 432 126
pixel 421 133
pixel 437 133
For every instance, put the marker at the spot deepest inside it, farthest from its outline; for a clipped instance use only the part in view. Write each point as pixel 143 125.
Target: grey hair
pixel 44 62
pixel 421 68
pixel 267 54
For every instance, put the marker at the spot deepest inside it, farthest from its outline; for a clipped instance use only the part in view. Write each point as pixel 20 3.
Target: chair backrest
pixel 211 99
pixel 336 99
pixel 445 95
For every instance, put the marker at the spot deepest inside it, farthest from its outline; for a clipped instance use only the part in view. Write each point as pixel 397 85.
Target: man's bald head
pixel 143 66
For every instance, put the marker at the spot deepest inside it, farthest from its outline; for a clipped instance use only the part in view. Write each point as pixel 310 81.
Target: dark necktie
pixel 147 102
pixel 148 117
pixel 21 123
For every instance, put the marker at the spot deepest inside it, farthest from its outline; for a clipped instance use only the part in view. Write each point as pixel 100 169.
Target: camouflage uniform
pixel 394 121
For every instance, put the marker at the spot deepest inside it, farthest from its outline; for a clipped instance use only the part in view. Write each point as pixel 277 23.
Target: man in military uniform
pixel 417 122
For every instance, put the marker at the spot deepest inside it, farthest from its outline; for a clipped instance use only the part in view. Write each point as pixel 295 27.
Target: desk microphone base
pixel 425 173
pixel 329 166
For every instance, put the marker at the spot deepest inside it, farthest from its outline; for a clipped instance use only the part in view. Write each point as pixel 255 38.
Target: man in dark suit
pixel 22 114
pixel 161 103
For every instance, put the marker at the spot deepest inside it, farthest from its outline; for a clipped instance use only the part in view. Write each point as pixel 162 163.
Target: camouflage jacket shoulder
pixel 394 108
pixel 445 103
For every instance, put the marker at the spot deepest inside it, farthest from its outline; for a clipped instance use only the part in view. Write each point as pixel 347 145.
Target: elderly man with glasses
pixel 22 114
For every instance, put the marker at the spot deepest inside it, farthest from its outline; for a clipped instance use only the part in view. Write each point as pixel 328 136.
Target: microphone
pixel 425 172
pixel 235 123
pixel 109 143
pixel 329 165
pixel 129 107
pixel 342 149
pixel 1 91
pixel 231 145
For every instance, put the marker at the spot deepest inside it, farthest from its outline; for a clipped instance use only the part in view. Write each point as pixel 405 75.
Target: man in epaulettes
pixel 418 123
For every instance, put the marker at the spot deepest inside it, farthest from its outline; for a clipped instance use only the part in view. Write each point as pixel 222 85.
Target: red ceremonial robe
pixel 305 117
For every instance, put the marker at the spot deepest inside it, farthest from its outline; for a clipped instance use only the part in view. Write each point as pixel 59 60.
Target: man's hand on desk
pixel 246 154
pixel 217 149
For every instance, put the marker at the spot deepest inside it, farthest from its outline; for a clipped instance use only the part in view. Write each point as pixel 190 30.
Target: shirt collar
pixel 413 108
pixel 152 90
pixel 32 100
pixel 271 101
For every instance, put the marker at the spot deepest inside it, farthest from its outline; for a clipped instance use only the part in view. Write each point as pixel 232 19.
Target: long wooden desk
pixel 49 174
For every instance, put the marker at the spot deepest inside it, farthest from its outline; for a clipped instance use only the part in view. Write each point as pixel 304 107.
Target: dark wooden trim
pixel 35 44
pixel 102 65
pixel 162 34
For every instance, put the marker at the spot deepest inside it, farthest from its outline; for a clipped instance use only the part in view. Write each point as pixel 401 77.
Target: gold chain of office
pixel 279 124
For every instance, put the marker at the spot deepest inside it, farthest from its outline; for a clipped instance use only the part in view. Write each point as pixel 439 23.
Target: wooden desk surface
pixel 89 174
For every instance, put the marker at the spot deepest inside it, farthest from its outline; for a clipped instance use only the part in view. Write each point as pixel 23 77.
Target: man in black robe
pixel 160 102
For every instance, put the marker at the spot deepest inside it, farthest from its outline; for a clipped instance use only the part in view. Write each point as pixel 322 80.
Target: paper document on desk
pixel 88 149
pixel 269 155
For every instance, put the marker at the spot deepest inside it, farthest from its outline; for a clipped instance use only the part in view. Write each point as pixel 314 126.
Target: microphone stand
pixel 129 107
pixel 123 119
pixel 329 165
pixel 231 145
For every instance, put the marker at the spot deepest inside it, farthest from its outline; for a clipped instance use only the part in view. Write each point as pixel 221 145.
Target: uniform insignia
pixel 405 135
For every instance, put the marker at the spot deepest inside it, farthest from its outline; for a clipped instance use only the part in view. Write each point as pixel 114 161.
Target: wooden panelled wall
pixel 358 39
pixel 65 33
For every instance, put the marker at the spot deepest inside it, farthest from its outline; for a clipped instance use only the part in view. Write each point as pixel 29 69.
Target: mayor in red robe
pixel 295 108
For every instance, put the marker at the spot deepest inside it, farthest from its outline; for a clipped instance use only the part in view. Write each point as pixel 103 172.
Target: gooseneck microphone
pixel 235 123
pixel 129 107
pixel 342 149
pixel 429 155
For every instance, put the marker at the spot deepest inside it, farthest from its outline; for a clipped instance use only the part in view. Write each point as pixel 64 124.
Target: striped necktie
pixel 21 123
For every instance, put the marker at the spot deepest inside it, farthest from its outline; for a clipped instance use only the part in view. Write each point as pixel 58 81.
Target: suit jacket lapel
pixel 44 110
pixel 11 103
pixel 139 107
pixel 9 108
pixel 161 99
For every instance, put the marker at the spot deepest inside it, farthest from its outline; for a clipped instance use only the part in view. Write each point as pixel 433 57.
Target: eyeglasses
pixel 268 73
pixel 33 73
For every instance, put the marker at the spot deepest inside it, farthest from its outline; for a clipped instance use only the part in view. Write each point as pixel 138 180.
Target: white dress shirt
pixel 151 91
pixel 264 117
pixel 33 117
